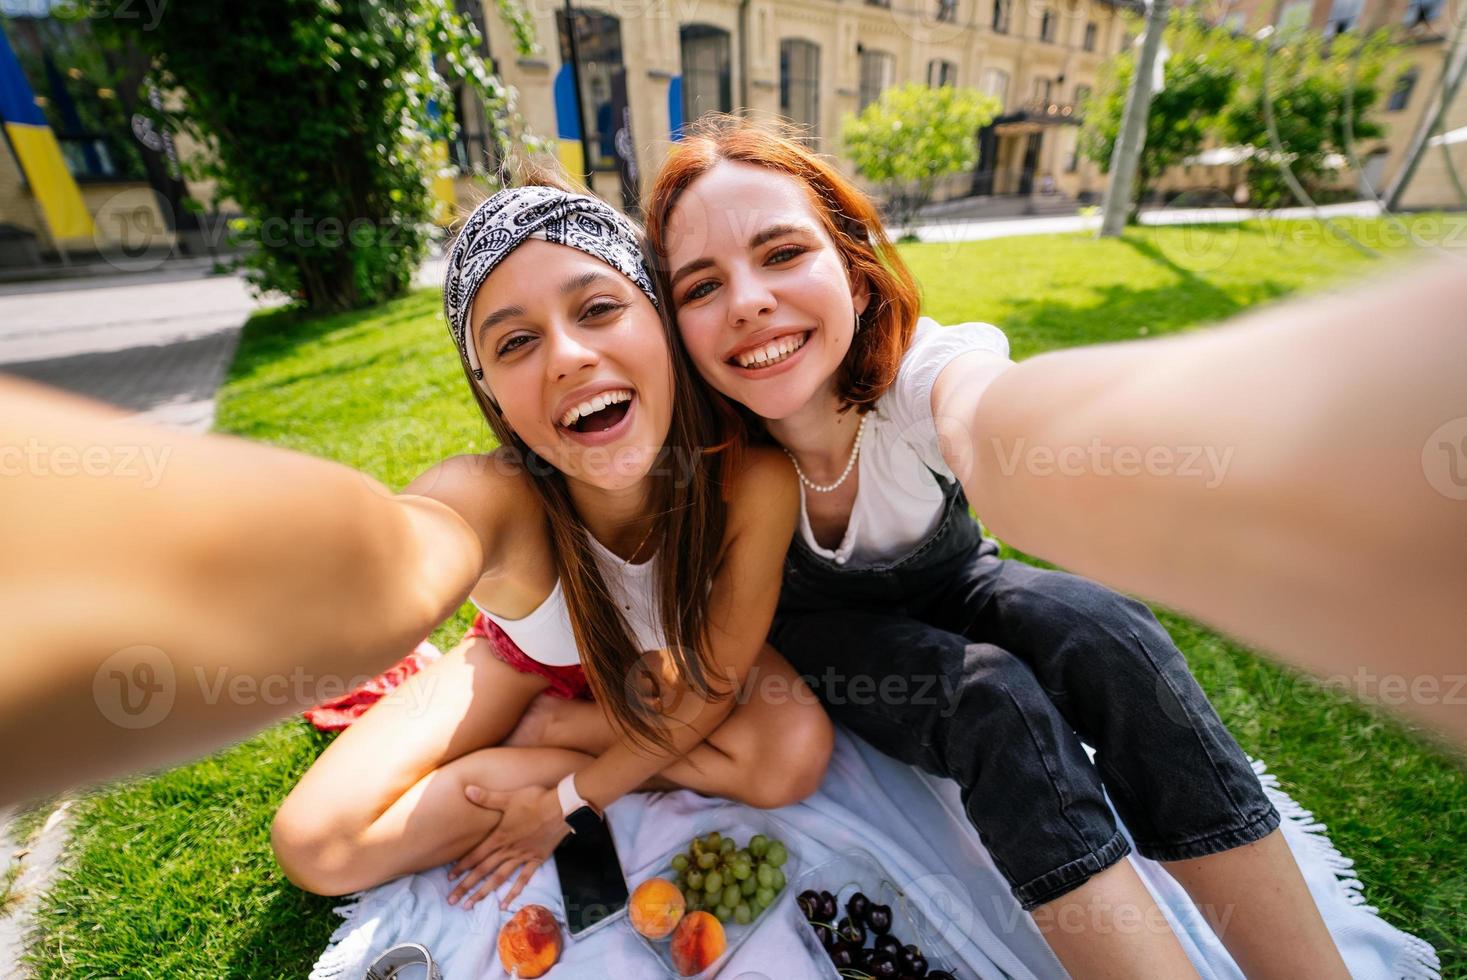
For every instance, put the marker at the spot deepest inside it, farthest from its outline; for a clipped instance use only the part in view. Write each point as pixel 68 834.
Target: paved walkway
pixel 969 230
pixel 34 864
pixel 151 343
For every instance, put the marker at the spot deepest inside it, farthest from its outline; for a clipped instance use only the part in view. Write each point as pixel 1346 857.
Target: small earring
pixel 858 321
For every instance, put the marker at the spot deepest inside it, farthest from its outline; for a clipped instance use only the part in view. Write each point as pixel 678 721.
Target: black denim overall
pixel 991 672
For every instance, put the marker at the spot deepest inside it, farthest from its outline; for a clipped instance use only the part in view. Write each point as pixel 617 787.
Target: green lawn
pixel 172 876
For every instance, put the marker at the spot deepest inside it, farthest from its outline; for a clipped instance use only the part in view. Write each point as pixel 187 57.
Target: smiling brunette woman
pixel 593 518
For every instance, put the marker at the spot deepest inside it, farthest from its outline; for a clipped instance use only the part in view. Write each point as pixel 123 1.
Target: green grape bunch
pixel 734 883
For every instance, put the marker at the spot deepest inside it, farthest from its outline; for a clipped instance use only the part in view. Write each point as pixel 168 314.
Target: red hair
pixel 849 217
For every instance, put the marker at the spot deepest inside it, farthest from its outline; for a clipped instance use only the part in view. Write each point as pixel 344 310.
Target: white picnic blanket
pixel 914 825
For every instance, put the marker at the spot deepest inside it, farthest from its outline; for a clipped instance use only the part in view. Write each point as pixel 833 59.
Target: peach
pixel 697 941
pixel 529 943
pixel 656 908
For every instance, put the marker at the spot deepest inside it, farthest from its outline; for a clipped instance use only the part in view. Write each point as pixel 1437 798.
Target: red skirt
pixel 565 682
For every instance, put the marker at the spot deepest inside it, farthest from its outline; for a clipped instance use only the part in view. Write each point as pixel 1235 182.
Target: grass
pixel 171 873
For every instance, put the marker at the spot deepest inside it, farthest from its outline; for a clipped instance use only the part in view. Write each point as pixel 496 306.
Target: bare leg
pixel 1261 909
pixel 1110 927
pixel 467 700
pixel 776 716
pixel 433 823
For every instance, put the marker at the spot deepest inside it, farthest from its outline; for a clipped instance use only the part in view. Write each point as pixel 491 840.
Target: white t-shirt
pixel 898 502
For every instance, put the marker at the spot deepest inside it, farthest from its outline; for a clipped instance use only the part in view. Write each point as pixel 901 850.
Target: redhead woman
pixel 796 309
pixel 594 521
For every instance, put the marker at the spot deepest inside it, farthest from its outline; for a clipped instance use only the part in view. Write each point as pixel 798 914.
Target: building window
pixel 603 74
pixel 1090 32
pixel 1295 16
pixel 1001 11
pixel 877 69
pixel 878 3
pixel 947 10
pixel 996 84
pixel 473 147
pixel 940 73
pixel 1342 16
pixel 1421 12
pixel 799 83
pixel 1048 22
pixel 1401 94
pixel 707 72
pixel 1043 89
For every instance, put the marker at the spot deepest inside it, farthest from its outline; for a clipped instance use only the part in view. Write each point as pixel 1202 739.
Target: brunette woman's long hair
pixel 849 217
pixel 689 500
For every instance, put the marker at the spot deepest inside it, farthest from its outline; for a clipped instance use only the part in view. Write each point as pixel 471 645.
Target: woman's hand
pixel 528 832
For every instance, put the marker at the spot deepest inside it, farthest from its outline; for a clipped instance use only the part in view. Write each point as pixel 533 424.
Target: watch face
pixel 583 820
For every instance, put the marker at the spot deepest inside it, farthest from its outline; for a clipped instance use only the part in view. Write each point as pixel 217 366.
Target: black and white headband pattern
pixel 501 224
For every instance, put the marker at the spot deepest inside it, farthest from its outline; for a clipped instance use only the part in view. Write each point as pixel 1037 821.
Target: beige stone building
pixel 814 62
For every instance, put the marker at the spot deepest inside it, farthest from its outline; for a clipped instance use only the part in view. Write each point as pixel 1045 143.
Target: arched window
pixel 940 73
pixel 1401 94
pixel 1001 11
pixel 996 84
pixel 799 83
pixel 707 71
pixel 877 69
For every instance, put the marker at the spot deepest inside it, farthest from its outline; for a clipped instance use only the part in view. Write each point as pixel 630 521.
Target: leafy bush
pixel 913 135
pixel 317 119
pixel 1198 81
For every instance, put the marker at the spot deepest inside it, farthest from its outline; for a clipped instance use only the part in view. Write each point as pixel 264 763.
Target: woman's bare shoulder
pixel 764 486
pixel 491 491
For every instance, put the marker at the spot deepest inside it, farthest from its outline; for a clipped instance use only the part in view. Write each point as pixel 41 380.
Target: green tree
pixel 913 135
pixel 1320 94
pixel 317 119
pixel 1198 81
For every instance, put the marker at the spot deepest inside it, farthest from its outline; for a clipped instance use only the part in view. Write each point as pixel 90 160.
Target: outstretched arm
pixel 155 586
pixel 1297 478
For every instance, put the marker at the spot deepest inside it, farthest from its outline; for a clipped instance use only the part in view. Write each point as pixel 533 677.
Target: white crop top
pixel 898 503
pixel 546 635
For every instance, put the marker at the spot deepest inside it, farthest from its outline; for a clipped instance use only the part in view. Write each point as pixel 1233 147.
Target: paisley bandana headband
pixel 499 226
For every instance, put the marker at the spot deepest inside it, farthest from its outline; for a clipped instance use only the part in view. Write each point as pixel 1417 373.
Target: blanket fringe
pixel 1417 960
pixel 340 954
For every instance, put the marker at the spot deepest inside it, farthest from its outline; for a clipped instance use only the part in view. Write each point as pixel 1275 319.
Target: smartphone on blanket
pixel 591 879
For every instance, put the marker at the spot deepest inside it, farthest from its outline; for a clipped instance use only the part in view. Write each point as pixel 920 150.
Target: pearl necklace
pixel 855 451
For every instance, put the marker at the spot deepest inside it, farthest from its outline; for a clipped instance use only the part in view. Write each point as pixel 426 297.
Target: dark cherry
pixel 824 933
pixel 841 955
pixel 913 962
pixel 857 904
pixel 861 958
pixel 882 966
pixel 809 903
pixel 852 932
pixel 940 975
pixel 828 908
pixel 878 919
pixel 888 944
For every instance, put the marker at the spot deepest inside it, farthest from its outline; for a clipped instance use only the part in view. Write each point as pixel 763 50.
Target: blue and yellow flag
pixel 39 153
